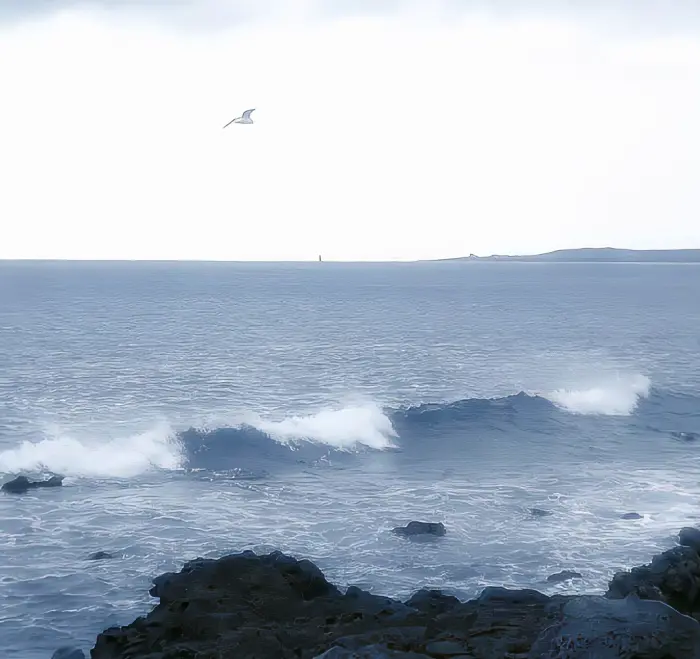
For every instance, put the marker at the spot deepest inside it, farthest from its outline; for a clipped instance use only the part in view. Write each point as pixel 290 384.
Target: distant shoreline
pixel 582 255
pixel 592 255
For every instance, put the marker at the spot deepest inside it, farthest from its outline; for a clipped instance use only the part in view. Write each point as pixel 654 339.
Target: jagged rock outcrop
pixel 276 607
pixel 689 537
pixel 672 577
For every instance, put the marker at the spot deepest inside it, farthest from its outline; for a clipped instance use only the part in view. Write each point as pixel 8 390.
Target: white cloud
pixel 376 137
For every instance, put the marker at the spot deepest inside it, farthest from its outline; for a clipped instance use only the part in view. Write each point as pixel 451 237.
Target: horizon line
pixel 315 259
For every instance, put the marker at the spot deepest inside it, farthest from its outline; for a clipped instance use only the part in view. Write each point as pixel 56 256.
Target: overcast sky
pixel 383 130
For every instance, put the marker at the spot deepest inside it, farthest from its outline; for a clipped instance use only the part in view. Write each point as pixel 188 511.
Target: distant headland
pixel 596 255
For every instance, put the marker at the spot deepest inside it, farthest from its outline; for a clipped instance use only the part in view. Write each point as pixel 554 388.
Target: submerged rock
pixel 539 512
pixel 686 436
pixel 100 556
pixel 22 484
pixel 631 516
pixel 68 653
pixel 564 575
pixel 421 528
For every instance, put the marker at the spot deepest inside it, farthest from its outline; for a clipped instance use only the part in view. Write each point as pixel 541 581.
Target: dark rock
pixel 496 624
pixel 689 537
pixel 243 571
pixel 369 652
pixel 502 595
pixel 686 436
pixel 631 516
pixel 564 575
pixel 375 604
pixel 68 653
pixel 22 484
pixel 447 648
pixel 539 512
pixel 421 528
pixel 608 629
pixel 635 583
pixel 396 637
pixel 100 556
pixel 672 577
pixel 276 607
pixel 434 602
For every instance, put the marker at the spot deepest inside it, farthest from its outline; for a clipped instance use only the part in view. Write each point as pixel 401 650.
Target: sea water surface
pixel 197 409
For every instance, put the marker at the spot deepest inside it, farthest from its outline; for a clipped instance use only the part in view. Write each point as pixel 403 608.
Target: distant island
pixel 596 255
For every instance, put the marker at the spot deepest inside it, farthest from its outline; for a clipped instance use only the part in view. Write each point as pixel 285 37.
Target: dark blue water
pixel 197 409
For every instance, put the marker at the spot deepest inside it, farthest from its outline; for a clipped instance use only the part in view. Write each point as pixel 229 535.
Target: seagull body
pixel 243 119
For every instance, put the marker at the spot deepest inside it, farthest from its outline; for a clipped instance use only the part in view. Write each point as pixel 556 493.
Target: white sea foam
pixel 617 396
pixel 125 457
pixel 365 424
pixel 122 457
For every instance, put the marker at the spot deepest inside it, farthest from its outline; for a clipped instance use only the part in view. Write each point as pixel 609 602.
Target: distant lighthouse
pixel 319 258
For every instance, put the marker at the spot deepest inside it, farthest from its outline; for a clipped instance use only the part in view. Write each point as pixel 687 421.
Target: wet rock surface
pixel 22 484
pixel 604 628
pixel 631 516
pixel 686 436
pixel 540 512
pixel 672 577
pixel 413 529
pixel 68 653
pixel 564 575
pixel 100 556
pixel 689 537
pixel 275 606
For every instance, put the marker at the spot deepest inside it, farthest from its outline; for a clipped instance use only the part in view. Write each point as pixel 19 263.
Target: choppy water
pixel 198 409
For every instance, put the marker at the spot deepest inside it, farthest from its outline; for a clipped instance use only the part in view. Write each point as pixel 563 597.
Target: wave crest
pixel 249 442
pixel 366 425
pixel 252 442
pixel 617 397
pixel 123 457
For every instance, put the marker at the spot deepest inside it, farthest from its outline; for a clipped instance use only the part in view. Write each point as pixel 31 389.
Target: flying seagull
pixel 243 119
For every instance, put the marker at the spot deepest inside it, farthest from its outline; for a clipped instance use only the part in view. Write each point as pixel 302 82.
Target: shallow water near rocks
pixel 201 409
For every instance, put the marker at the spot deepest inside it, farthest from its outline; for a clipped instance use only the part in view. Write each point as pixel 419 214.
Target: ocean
pixel 198 409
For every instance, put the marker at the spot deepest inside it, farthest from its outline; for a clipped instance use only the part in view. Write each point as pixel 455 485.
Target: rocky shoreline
pixel 274 606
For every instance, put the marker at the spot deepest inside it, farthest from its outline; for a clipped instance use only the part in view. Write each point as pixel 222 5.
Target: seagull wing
pixel 246 114
pixel 230 122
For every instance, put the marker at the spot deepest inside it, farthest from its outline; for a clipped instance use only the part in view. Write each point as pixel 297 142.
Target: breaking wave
pixel 367 425
pixel 254 443
pixel 252 440
pixel 123 457
pixel 617 397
